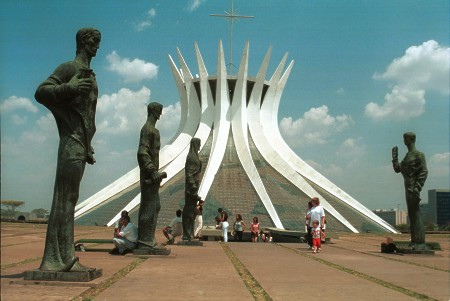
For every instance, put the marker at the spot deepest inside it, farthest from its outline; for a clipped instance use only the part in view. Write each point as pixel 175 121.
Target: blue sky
pixel 365 72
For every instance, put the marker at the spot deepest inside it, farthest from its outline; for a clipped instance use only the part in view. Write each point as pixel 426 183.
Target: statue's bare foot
pixel 51 267
pixel 78 267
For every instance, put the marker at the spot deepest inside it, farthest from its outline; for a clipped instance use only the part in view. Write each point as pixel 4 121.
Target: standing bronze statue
pixel 192 170
pixel 414 171
pixel 150 178
pixel 70 93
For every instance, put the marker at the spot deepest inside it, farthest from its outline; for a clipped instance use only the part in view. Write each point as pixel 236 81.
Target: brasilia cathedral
pixel 247 166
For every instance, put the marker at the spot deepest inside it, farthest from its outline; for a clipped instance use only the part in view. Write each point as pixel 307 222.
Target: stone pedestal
pixel 151 251
pixel 414 251
pixel 407 248
pixel 84 276
pixel 195 243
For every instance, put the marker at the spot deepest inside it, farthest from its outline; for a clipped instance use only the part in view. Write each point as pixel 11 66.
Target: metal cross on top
pixel 231 16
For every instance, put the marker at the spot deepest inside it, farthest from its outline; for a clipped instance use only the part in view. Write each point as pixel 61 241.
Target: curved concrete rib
pixel 240 136
pixel 192 119
pixel 203 130
pixel 188 125
pixel 131 205
pixel 109 191
pixel 270 154
pixel 179 82
pixel 272 130
pixel 207 104
pixel 221 126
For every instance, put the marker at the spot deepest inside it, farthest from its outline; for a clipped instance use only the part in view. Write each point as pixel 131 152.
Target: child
pixel 316 236
pixel 224 226
pixel 254 228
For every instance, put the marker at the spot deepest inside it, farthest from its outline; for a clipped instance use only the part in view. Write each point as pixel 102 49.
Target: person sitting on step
pixel 175 228
pixel 125 238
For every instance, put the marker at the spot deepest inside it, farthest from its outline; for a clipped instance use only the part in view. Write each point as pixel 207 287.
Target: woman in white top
pixel 317 212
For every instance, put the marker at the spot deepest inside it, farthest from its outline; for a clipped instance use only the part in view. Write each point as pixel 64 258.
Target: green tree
pixel 11 206
pixel 40 212
pixel 402 227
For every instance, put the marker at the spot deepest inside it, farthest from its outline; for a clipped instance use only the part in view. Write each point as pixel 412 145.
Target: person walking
pixel 254 229
pixel 224 226
pixel 198 224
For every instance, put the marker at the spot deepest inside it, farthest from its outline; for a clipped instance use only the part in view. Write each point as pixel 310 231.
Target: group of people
pixel 126 233
pixel 175 228
pixel 239 227
pixel 315 225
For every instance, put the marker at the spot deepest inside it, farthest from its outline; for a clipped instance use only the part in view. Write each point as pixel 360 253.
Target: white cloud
pixel 315 127
pixel 422 68
pixel 147 21
pixel 439 164
pixel 401 103
pixel 14 103
pixel 18 120
pixel 169 122
pixel 351 148
pixel 122 112
pixel 331 170
pixel 131 70
pixel 194 4
pixel 340 91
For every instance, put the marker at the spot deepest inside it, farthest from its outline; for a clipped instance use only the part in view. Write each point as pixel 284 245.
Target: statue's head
pixel 195 144
pixel 88 39
pixel 409 137
pixel 155 109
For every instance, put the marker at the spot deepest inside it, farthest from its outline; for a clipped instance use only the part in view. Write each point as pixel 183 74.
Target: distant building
pixel 426 214
pixel 393 216
pixel 439 206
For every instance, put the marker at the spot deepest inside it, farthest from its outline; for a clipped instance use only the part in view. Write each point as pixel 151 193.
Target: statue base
pixel 407 248
pixel 151 251
pixel 414 251
pixel 195 243
pixel 84 276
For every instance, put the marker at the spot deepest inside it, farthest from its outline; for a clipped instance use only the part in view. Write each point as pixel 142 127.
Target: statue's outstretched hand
pixel 395 153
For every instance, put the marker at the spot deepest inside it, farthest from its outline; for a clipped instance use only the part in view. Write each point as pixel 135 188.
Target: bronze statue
pixel 150 178
pixel 414 171
pixel 70 93
pixel 192 171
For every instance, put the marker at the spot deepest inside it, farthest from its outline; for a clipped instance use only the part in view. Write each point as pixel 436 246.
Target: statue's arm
pixel 55 88
pixel 395 163
pixel 422 172
pixel 63 84
pixel 145 156
pixel 191 170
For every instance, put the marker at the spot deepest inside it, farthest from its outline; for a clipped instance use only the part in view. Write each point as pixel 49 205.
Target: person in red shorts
pixel 316 236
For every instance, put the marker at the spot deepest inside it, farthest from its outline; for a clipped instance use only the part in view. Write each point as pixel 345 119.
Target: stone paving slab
pixel 419 279
pixel 197 273
pixel 206 273
pixel 285 275
pixel 438 261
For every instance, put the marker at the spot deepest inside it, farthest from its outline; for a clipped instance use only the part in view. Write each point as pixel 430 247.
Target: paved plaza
pixel 351 267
